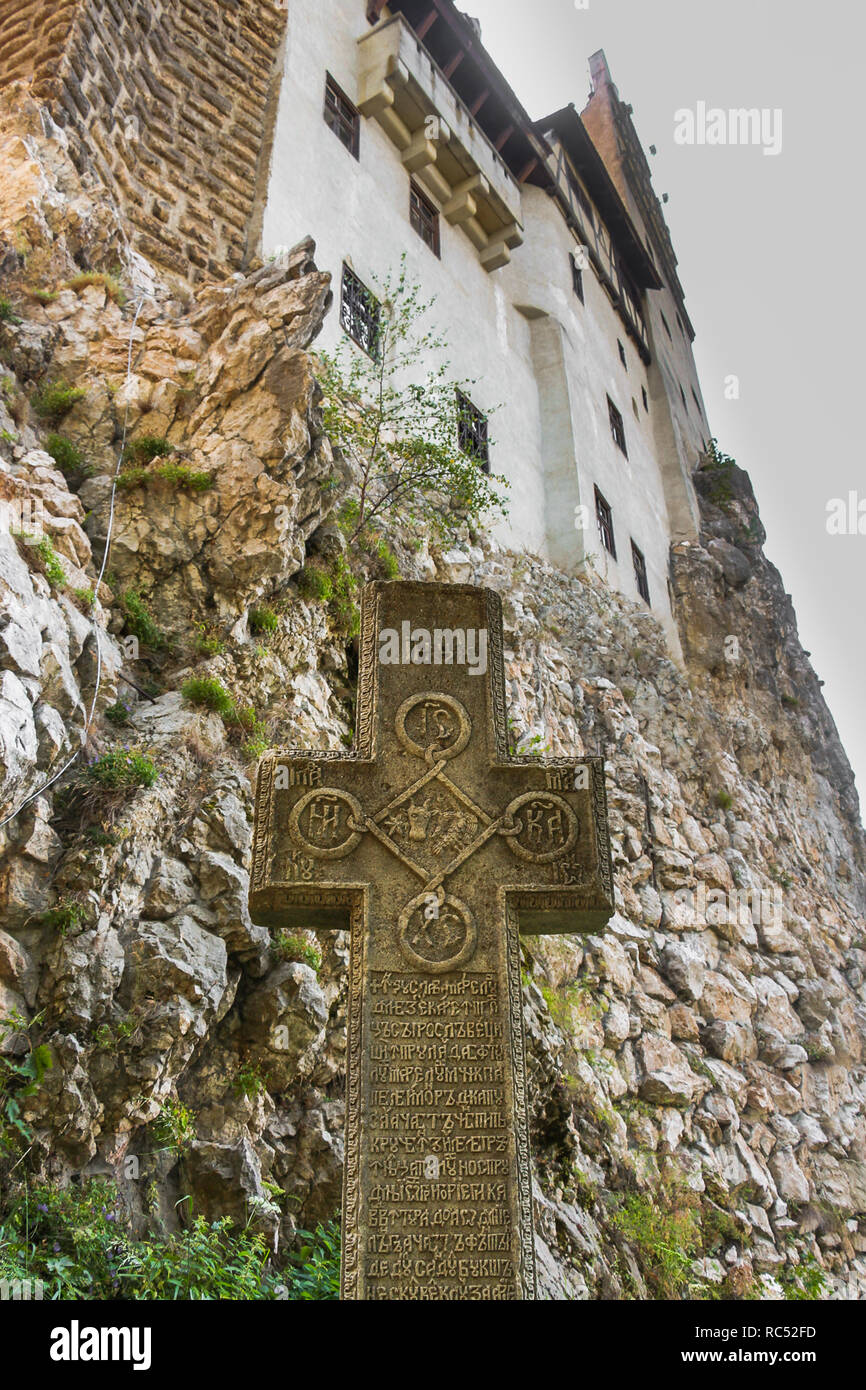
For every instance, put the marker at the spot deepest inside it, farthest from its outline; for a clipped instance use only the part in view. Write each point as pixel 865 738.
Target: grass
pixel 49 560
pixel 42 296
pixel 109 283
pixel 77 1241
pixel 139 622
pixel 336 587
pixel 664 1237
pixel 208 692
pixel 724 800
pixel 66 455
pixel 7 313
pixel 85 598
pixel 146 448
pixel 175 474
pixel 56 398
pixel 66 916
pixel 118 713
pixel 263 620
pixel 122 769
pixel 286 947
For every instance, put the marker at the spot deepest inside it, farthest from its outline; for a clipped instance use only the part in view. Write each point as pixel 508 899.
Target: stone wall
pixel 171 105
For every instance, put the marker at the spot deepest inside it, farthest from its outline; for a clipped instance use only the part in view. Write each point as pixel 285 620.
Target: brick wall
pixel 171 102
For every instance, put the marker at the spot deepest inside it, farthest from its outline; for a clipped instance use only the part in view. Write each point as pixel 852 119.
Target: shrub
pixel 56 398
pixel 118 713
pixel 66 455
pixel 315 583
pixel 147 448
pixel 207 643
pixel 77 1241
pixel 7 313
pixel 51 566
pixel 175 474
pixel 85 598
pixel 314 1271
pixel 66 916
pixel 209 692
pixel 724 800
pixel 20 1077
pixel 174 1127
pixel 249 1080
pixel 122 769
pixel 263 620
pixel 664 1238
pixel 139 621
pixel 110 284
pixel 287 947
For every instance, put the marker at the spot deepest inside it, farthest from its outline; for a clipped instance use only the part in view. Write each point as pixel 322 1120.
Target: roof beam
pixel 503 138
pixel 427 23
pixel 451 67
pixel 479 102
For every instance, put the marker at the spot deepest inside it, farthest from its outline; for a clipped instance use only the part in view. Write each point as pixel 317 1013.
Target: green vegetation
pixel 56 399
pixel 54 571
pixel 42 296
pixel 286 947
pixel 721 465
pixel 122 769
pixel 139 622
pixel 263 620
pixel 664 1234
pixel 85 598
pixel 118 713
pixel 209 692
pixel 402 430
pixel 20 1077
pixel 77 1241
pixel 67 916
pixel 174 1127
pixel 109 283
pixel 175 474
pixel 7 313
pixel 249 1080
pixel 804 1282
pixel 335 586
pixel 724 800
pixel 66 455
pixel 146 448
pixel 207 642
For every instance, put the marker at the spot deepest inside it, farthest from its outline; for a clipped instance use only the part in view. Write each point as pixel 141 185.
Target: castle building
pixel 231 128
pixel 545 248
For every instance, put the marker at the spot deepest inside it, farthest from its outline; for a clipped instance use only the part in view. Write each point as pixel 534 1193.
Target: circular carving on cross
pixel 437 933
pixel 539 827
pixel 327 823
pixel 433 726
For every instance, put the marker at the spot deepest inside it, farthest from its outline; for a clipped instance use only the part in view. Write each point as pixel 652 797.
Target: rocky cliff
pixel 697 1072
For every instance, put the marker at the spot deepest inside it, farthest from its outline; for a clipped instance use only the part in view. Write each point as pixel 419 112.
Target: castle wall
pixel 168 102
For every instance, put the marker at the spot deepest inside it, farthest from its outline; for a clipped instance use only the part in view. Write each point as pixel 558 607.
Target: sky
pixel 770 254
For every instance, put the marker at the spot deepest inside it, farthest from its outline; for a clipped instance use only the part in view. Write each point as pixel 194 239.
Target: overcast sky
pixel 770 253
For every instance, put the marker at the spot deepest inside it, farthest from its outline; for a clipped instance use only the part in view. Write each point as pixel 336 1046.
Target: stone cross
pixel 436 848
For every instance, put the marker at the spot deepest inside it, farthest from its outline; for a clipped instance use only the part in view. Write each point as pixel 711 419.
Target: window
pixel 360 313
pixel 640 572
pixel 577 278
pixel 342 117
pixel 604 517
pixel 472 432
pixel 697 402
pixel 622 357
pixel 424 218
pixel 683 394
pixel 667 327
pixel 617 428
pixel 645 399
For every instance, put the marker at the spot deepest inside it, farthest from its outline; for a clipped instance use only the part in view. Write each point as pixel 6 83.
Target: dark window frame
pixel 360 313
pixel 604 521
pixel 617 427
pixel 342 117
pixel 424 218
pixel 667 326
pixel 473 437
pixel 622 357
pixel 577 279
pixel 638 560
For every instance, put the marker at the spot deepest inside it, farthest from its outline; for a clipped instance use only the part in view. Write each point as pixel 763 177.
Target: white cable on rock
pixel 139 302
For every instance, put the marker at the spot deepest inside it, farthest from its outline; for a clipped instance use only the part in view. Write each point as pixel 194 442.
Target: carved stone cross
pixel 436 848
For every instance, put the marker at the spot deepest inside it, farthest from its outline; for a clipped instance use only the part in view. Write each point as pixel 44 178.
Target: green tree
pixel 395 410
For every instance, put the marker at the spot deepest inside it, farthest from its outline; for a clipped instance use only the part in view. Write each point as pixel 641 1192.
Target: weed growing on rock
pixel 208 692
pixel 263 620
pixel 7 313
pixel 67 456
pixel 174 1127
pixel 139 622
pixel 146 448
pixel 109 283
pixel 286 947
pixel 56 399
pixel 21 1075
pixel 122 769
pixel 67 916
